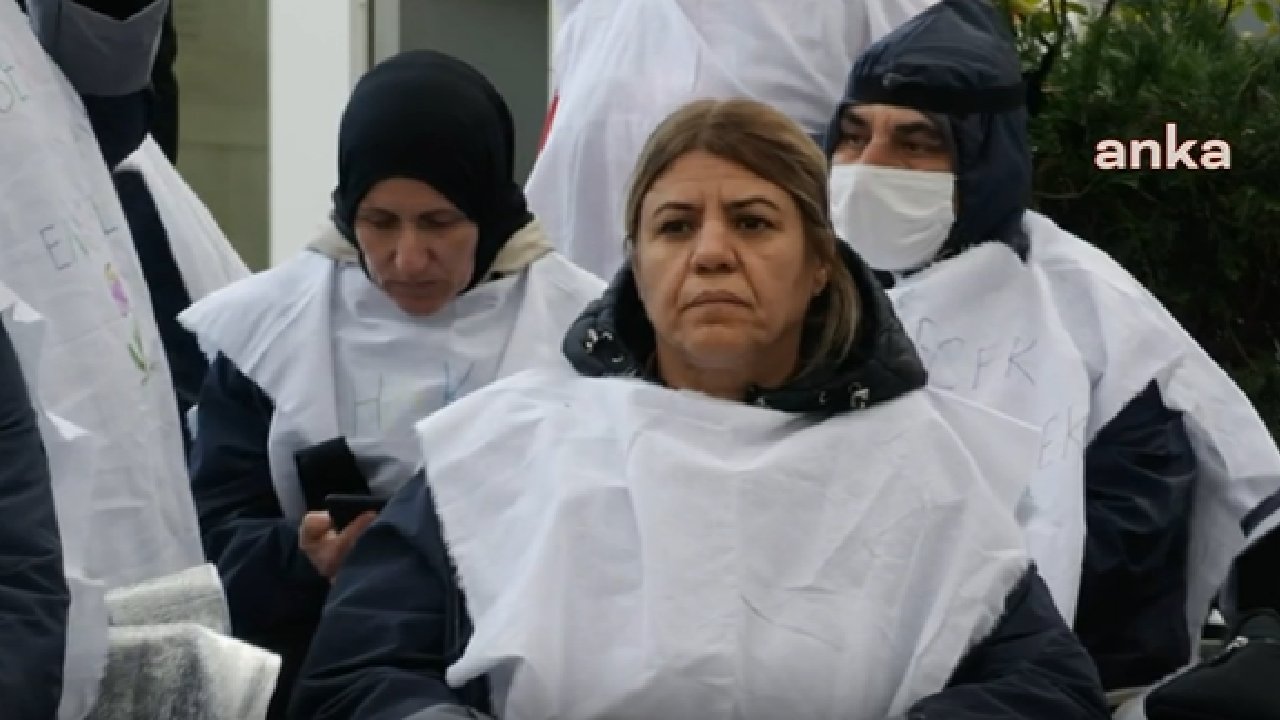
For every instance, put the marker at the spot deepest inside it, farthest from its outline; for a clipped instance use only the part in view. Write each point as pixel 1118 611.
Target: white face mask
pixel 895 219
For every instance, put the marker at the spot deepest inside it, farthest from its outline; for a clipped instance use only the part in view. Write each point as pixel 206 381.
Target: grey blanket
pixel 171 657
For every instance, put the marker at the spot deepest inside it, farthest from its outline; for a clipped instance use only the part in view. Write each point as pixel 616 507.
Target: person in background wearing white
pixel 622 66
pixel 1155 472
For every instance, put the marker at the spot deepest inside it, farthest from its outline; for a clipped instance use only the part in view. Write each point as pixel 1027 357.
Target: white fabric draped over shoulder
pixel 622 66
pixel 632 551
pixel 71 454
pixel 987 327
pixel 91 352
pixel 1128 339
pixel 337 358
pixel 205 258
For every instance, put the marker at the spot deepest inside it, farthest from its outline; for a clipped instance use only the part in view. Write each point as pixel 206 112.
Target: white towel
pixel 171 659
pixel 184 672
pixel 191 596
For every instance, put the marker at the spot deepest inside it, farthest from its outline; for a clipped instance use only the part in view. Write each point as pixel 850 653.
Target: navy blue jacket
pixel 1140 470
pixel 34 598
pixel 274 592
pixel 396 619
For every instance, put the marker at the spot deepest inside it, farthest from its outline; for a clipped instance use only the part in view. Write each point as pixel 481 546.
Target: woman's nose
pixel 713 247
pixel 413 255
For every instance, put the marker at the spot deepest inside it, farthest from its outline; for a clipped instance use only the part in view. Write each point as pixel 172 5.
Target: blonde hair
pixel 767 143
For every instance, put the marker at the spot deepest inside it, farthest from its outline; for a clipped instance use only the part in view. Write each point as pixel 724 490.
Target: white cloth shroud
pixel 155 650
pixel 987 328
pixel 71 453
pixel 622 66
pixel 171 657
pixel 338 358
pixel 628 551
pixel 205 258
pixel 1128 339
pixel 149 650
pixel 127 516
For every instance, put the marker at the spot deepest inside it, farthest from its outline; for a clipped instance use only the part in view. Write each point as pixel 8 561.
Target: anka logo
pixel 1172 154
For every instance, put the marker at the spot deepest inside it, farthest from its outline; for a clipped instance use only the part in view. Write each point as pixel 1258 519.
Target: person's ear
pixel 820 280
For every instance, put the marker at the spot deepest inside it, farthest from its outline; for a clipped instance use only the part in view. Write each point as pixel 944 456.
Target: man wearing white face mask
pixel 1156 473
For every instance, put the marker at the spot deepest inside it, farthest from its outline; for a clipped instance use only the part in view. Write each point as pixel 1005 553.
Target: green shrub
pixel 1206 242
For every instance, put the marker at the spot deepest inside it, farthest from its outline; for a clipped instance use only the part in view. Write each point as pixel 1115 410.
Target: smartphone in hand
pixel 344 509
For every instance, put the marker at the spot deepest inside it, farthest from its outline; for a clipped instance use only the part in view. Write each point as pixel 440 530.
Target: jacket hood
pixel 614 338
pixel 957 61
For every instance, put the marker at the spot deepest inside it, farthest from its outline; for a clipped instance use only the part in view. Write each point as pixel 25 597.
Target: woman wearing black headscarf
pixel 433 280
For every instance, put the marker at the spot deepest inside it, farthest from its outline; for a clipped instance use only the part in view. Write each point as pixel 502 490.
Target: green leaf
pixel 1264 11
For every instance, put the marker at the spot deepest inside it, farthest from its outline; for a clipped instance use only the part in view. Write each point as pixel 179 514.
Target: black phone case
pixel 328 468
pixel 344 509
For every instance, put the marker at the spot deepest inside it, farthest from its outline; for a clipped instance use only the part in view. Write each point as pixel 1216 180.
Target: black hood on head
pixel 430 117
pixel 614 338
pixel 957 60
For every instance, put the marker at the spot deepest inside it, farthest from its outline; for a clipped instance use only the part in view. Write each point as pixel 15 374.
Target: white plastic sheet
pixel 1129 339
pixel 988 329
pixel 338 358
pixel 205 258
pixel 628 551
pixel 67 253
pixel 90 350
pixel 71 452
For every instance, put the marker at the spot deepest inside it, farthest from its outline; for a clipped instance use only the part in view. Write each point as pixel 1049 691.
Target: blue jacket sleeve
pixel 272 588
pixel 34 598
pixel 1140 474
pixel 395 621
pixel 274 593
pixel 1031 667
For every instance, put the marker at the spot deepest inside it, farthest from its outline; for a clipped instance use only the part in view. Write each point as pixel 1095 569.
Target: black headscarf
pixel 430 117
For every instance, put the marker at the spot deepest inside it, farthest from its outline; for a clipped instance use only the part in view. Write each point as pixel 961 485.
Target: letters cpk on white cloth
pixel 66 252
pixel 628 551
pixel 987 328
pixel 313 324
pixel 622 66
pixel 1128 339
pixel 205 258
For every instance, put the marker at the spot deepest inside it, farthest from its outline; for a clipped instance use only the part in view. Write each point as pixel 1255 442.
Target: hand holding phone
pixel 325 546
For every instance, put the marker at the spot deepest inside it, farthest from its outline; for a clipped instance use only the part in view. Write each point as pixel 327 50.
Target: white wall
pixel 318 50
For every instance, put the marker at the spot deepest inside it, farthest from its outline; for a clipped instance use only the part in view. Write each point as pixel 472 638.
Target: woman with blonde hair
pixel 736 501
